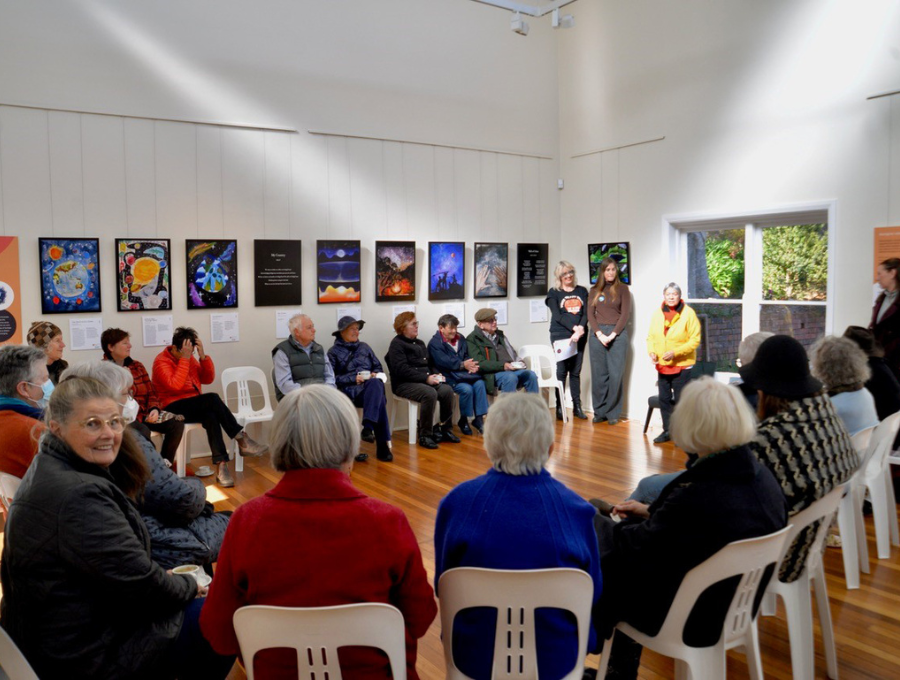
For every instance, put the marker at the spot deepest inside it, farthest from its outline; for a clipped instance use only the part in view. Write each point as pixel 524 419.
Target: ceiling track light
pixel 564 21
pixel 519 25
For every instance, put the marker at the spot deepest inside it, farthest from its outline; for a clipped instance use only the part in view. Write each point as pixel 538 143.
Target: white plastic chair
pixel 246 415
pixel 9 484
pixel 850 518
pixel 517 593
pixel 13 664
pixel 748 559
pixel 316 633
pixel 796 595
pixel 875 477
pixel 540 359
pixel 413 416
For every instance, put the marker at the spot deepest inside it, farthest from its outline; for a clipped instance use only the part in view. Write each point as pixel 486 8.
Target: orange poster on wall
pixel 887 244
pixel 10 300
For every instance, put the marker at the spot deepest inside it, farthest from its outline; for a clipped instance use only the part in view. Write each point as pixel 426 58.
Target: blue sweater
pixel 501 521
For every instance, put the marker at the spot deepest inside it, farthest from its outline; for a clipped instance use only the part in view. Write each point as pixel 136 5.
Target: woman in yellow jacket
pixel 672 345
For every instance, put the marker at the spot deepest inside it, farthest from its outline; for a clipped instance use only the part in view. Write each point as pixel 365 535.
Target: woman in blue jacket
pixel 449 353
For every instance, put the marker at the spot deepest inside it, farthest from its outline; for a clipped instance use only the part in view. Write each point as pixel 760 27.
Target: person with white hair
pixel 316 540
pixel 726 496
pixel 516 517
pixel 844 370
pixel 300 360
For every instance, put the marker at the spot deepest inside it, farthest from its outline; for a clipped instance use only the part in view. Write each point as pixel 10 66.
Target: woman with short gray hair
pixel 516 517
pixel 316 540
pixel 844 369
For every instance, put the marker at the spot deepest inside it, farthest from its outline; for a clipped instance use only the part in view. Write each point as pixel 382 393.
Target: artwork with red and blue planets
pixel 338 271
pixel 143 274
pixel 70 275
pixel 446 270
pixel 212 268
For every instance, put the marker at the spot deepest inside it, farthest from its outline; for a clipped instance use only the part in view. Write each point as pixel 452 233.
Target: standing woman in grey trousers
pixel 609 309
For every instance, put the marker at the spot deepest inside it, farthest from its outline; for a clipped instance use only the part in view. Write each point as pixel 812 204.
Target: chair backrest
pixel 9 484
pixel 820 511
pixel 861 441
pixel 875 460
pixel 541 360
pixel 748 559
pixel 13 664
pixel 316 633
pixel 243 376
pixel 515 594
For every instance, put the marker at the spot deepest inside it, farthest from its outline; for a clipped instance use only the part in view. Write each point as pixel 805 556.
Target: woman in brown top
pixel 609 309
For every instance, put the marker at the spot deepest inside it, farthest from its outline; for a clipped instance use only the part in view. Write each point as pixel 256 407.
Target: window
pixel 756 273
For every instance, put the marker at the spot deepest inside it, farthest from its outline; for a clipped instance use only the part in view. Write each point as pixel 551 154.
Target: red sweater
pixel 19 435
pixel 176 378
pixel 315 540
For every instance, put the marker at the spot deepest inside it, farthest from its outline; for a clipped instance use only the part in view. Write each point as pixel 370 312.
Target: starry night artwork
pixel 395 271
pixel 143 274
pixel 491 267
pixel 446 270
pixel 70 275
pixel 620 252
pixel 338 271
pixel 211 274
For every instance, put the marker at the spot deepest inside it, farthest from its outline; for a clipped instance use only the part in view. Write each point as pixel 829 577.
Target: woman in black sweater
pixel 568 318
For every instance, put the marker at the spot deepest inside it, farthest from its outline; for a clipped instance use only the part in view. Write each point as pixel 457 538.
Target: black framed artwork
pixel 212 271
pixel 276 271
pixel 446 270
pixel 491 270
pixel 532 269
pixel 70 275
pixel 143 274
pixel 395 271
pixel 620 252
pixel 338 271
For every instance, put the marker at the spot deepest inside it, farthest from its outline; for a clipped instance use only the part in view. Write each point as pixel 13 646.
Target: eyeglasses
pixel 569 273
pixel 94 425
pixel 413 323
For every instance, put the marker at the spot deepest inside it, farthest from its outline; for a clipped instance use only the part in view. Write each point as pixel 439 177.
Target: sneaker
pixel 464 427
pixel 367 435
pixel 248 447
pixel 361 457
pixel 447 435
pixel 427 442
pixel 663 438
pixel 223 476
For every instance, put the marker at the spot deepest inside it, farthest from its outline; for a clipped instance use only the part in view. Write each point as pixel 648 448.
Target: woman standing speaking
pixel 608 311
pixel 568 317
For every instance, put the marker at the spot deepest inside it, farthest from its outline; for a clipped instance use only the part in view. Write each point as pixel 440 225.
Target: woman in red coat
pixel 343 546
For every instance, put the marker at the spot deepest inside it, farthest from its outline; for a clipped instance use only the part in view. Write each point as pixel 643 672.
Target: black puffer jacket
pixel 81 596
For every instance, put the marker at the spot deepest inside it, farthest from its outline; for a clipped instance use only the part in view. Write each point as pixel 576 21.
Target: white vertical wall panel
pixel 418 160
pixel 339 183
pixel 510 216
pixel 66 186
pixel 445 199
pixel 176 177
pixel 140 178
pixel 210 199
pixel 242 182
pixel 549 203
pixel 467 172
pixel 368 204
pixel 310 198
pixel 25 158
pixel 103 154
pixel 488 172
pixel 609 192
pixel 531 200
pixel 277 181
pixel 894 171
pixel 395 190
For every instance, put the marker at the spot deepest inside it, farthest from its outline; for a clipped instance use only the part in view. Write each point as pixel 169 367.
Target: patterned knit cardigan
pixel 810 453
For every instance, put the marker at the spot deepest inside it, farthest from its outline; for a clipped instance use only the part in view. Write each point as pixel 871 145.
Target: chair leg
pixel 413 417
pixel 849 551
pixel 824 609
pixel 751 650
pixel 604 657
pixel 238 458
pixel 878 495
pixel 647 421
pixel 561 400
pixel 892 507
pixel 181 454
pixel 798 606
pixel 862 545
pixel 769 604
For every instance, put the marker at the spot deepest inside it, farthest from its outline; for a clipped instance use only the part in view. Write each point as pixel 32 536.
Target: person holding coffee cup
pixel 82 597
pixel 356 374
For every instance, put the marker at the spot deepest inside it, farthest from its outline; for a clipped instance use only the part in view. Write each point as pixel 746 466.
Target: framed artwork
pixel 276 266
pixel 212 270
pixel 70 275
pixel 338 271
pixel 620 252
pixel 491 270
pixel 533 270
pixel 446 270
pixel 395 271
pixel 143 274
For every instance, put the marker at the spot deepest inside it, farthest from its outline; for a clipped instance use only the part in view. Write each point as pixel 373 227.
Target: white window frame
pixel 676 228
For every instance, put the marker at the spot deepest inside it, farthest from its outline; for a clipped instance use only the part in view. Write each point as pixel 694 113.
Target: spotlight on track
pixel 564 21
pixel 519 25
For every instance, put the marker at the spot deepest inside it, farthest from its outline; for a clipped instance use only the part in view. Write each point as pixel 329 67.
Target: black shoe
pixel 437 435
pixel 361 457
pixel 602 506
pixel 559 413
pixel 447 435
pixel 385 456
pixel 598 419
pixel 464 426
pixel 427 442
pixel 663 438
pixel 577 412
pixel 613 421
pixel 367 435
pixel 478 424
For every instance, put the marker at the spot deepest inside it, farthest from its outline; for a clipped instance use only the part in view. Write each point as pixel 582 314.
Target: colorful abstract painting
pixel 446 270
pixel 395 271
pixel 620 252
pixel 143 274
pixel 338 271
pixel 212 268
pixel 70 275
pixel 491 270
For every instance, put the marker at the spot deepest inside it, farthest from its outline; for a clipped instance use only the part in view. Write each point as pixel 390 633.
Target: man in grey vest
pixel 300 360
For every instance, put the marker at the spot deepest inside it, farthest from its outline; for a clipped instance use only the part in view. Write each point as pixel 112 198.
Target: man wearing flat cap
pixel 300 360
pixel 359 375
pixel 497 360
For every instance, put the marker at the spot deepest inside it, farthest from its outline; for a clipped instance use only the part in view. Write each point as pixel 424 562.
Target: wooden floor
pixel 604 461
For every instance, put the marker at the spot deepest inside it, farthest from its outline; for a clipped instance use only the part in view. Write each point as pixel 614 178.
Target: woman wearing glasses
pixel 82 597
pixel 568 318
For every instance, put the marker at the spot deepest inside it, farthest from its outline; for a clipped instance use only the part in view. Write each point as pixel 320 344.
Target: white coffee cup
pixel 195 572
pixel 365 375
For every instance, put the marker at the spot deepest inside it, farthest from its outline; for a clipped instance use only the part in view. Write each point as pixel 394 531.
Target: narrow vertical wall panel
pixel 339 217
pixel 103 151
pixel 66 187
pixel 242 182
pixel 468 195
pixel 176 177
pixel 368 202
pixel 210 200
pixel 310 201
pixel 549 205
pixel 140 178
pixel 445 189
pixel 24 154
pixel 395 190
pixel 490 191
pixel 582 199
pixel 510 218
pixel 609 191
pixel 277 185
pixel 418 160
pixel 894 151
pixel 531 200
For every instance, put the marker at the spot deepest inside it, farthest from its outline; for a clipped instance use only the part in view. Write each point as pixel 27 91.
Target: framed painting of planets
pixel 446 270
pixel 143 274
pixel 70 275
pixel 395 271
pixel 212 270
pixel 338 272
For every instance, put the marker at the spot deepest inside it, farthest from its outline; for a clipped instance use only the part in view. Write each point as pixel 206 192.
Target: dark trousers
pixel 670 386
pixel 211 412
pixel 190 656
pixel 571 367
pixel 374 406
pixel 172 431
pixel 428 396
pixel 607 372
